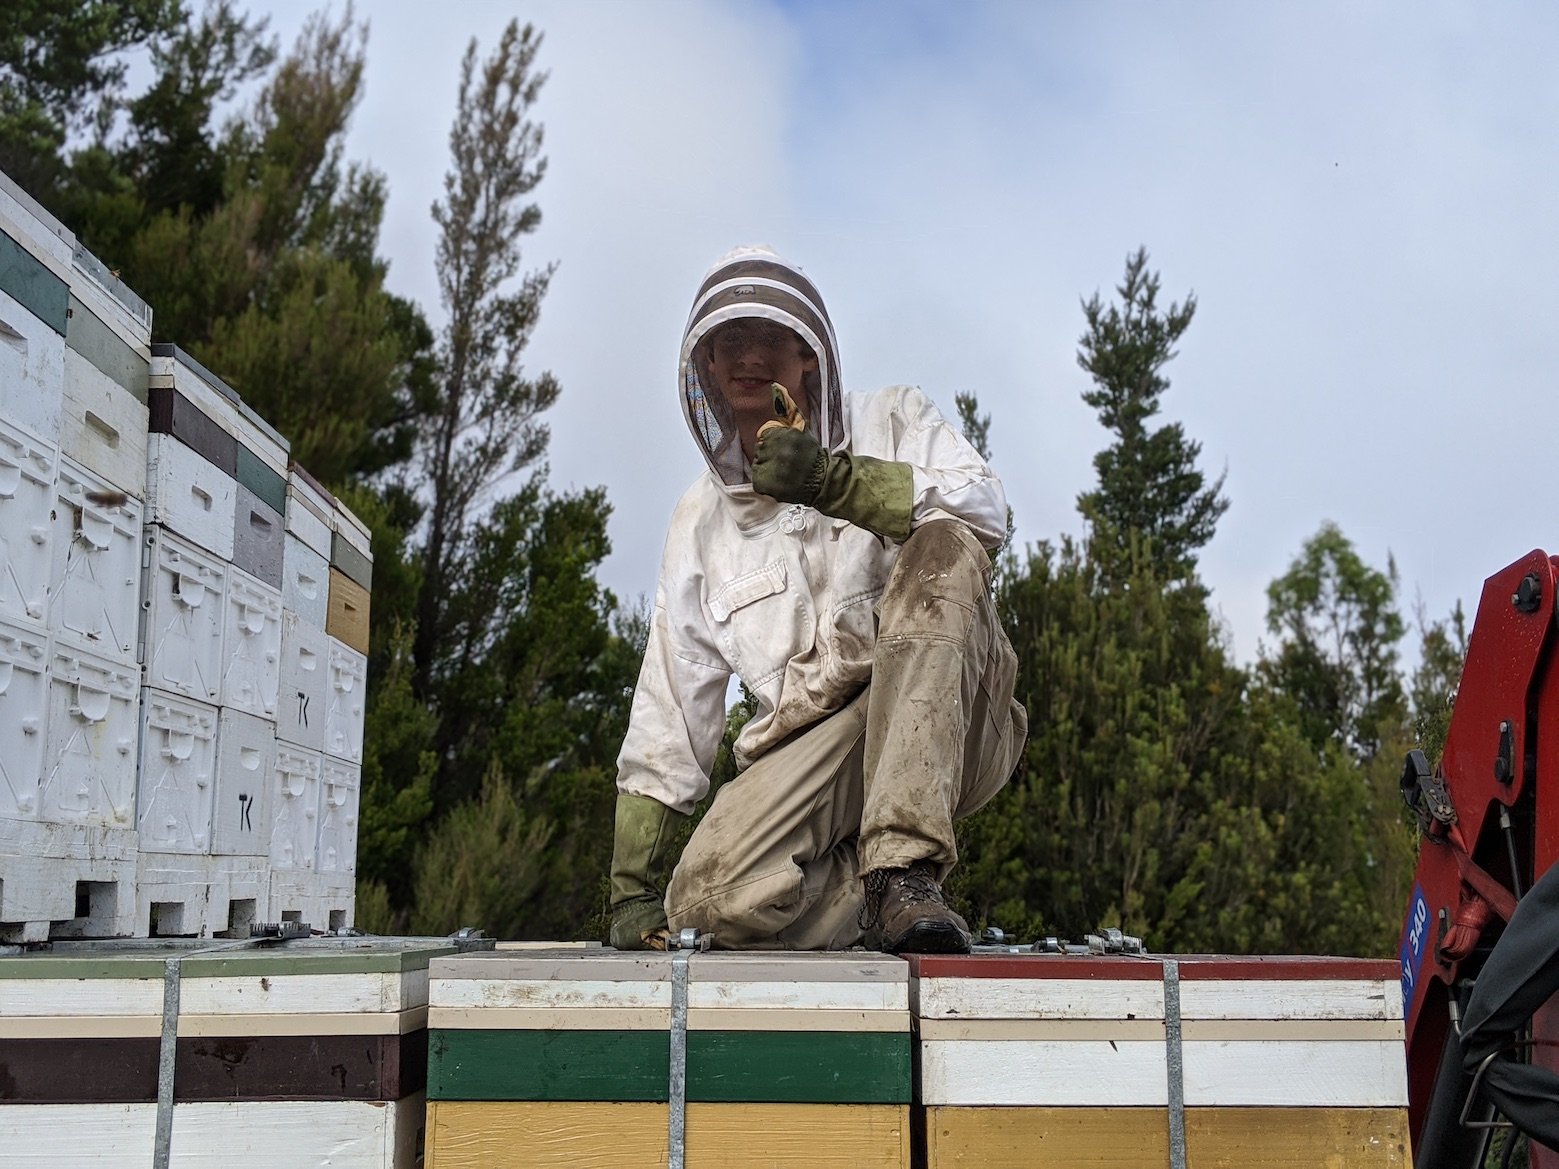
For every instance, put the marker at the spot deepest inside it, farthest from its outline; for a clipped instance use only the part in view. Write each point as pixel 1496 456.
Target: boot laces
pixel 915 885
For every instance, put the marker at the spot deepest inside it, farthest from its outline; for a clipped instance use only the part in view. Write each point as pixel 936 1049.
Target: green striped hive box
pixel 302 1053
pixel 566 1057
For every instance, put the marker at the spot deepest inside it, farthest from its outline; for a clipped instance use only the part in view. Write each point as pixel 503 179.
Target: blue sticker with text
pixel 1413 944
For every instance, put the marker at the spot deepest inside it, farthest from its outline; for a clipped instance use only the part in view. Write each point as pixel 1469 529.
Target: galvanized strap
pixel 677 1095
pixel 167 1052
pixel 1176 1061
pixel 163 1147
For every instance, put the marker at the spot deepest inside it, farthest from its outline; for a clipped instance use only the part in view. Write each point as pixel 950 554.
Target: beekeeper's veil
pixel 754 282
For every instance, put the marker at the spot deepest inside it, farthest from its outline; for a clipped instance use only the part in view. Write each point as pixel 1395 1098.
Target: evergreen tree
pixel 1337 660
pixel 62 72
pixel 485 421
pixel 1437 677
pixel 1148 479
pixel 254 242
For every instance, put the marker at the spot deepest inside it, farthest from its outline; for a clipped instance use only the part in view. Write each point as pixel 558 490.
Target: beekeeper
pixel 834 557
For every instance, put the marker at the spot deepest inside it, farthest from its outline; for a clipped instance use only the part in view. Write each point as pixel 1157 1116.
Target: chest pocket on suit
pixel 747 588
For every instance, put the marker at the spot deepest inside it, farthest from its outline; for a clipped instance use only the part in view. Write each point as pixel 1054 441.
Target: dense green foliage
pixel 500 670
pixel 1166 788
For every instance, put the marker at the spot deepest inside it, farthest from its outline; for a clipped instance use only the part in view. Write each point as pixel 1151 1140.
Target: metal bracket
pixel 468 939
pixel 1112 941
pixel 1175 1055
pixel 1477 1081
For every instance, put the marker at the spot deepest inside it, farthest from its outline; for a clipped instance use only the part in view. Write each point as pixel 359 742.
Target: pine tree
pixel 485 421
pixel 1149 483
pixel 1338 660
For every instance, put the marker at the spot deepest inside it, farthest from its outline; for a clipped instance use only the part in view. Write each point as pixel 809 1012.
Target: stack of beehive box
pixel 74 366
pixel 181 692
pixel 563 1057
pixel 1040 1061
pixel 326 568
pixel 308 1053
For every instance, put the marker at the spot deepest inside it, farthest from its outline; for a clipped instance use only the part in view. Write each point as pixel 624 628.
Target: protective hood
pixel 754 282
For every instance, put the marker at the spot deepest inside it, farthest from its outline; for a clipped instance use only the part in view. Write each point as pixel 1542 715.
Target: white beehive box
pixel 51 872
pixel 337 902
pixel 24 703
pixel 185 586
pixel 189 496
pixel 189 895
pixel 178 773
pixel 309 514
pixel 252 646
pixel 305 582
pixel 27 469
pixel 297 896
pixel 94 585
pixel 295 809
pixel 172 894
pixel 338 813
pixel 90 740
pixel 348 689
pixel 302 707
pixel 44 237
pixel 240 894
pixel 32 372
pixel 103 426
pixel 246 779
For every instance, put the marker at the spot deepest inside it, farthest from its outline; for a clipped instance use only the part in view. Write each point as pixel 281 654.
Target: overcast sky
pixel 1361 195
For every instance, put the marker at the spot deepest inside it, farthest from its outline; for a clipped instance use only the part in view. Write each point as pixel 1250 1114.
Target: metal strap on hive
pixel 676 1121
pixel 167 1052
pixel 1175 1057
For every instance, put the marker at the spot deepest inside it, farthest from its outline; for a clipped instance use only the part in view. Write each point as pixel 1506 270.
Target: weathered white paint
pixel 1095 1072
pixel 95 581
pixel 1291 999
pixel 771 996
pixel 189 496
pixel 347 708
pixel 251 640
pixel 270 1134
pixel 246 767
pixel 32 372
pixel 28 467
pixel 1296 1074
pixel 302 705
pixel 1039 998
pixel 103 426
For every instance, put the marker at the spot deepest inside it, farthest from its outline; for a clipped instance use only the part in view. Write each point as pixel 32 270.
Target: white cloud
pixel 1360 197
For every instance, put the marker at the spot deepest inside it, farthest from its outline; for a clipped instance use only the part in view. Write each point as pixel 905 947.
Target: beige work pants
pixel 777 861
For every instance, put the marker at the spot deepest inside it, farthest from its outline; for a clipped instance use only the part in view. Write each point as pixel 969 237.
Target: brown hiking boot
pixel 904 913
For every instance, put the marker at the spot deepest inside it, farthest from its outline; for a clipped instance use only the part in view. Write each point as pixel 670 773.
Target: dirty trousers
pixel 777 860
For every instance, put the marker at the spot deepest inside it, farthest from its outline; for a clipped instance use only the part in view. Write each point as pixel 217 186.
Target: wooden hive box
pixel 1039 1061
pixel 562 1058
pixel 303 1053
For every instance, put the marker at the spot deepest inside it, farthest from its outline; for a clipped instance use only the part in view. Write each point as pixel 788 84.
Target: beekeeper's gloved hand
pixel 793 467
pixel 640 860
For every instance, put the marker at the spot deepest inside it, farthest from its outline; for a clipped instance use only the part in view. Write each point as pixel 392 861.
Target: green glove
pixel 870 493
pixel 875 494
pixel 645 828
